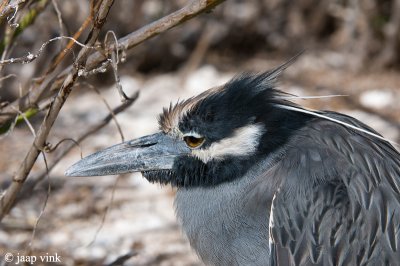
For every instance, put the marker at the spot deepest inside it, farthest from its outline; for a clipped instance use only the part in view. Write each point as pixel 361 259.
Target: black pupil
pixel 193 141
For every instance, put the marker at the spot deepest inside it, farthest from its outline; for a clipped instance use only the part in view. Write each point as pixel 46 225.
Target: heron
pixel 264 181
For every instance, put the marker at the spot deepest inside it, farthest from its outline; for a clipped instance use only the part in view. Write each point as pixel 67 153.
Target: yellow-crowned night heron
pixel 262 181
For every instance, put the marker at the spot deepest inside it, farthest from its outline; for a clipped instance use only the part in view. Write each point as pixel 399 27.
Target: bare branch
pixel 133 39
pixel 110 110
pixel 43 207
pixel 27 190
pixel 106 211
pixel 192 9
pixel 30 57
pixel 7 200
pixel 114 64
pixel 12 17
pixel 70 75
pixel 59 17
pixel 68 47
pixel 9 9
pixel 121 259
pixel 50 78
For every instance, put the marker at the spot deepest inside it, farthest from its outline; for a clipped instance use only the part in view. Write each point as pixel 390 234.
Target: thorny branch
pixel 7 200
pixel 100 59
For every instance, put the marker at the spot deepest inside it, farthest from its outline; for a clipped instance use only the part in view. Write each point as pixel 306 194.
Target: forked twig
pixel 70 76
pixel 192 9
pixel 30 57
pixel 7 200
pixel 27 190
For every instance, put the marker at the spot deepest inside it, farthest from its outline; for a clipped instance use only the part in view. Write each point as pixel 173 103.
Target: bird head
pixel 208 139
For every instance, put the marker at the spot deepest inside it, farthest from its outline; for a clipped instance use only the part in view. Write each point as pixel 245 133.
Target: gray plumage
pixel 339 199
pixel 228 225
pixel 262 181
pixel 337 202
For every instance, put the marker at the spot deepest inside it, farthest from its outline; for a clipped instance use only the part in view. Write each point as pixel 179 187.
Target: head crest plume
pixel 170 116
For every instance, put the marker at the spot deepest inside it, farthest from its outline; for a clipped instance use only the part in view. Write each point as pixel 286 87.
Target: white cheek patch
pixel 243 142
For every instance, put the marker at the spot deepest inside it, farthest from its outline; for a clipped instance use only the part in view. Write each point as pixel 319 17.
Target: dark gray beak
pixel 153 152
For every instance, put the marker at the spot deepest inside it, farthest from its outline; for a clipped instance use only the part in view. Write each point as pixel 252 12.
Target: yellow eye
pixel 193 142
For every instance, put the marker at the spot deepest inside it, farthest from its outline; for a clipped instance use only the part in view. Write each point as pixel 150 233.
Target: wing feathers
pixel 339 202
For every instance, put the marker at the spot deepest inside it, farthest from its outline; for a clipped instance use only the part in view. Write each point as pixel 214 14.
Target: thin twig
pixel 7 200
pixel 27 190
pixel 30 57
pixel 110 110
pixel 12 17
pixel 28 123
pixel 10 76
pixel 31 99
pixel 30 244
pixel 70 44
pixel 114 63
pixel 24 22
pixel 121 259
pixel 104 216
pixel 61 23
pixel 192 9
pixel 199 51
pixel 8 9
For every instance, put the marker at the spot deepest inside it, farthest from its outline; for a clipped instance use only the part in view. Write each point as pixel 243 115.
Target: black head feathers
pixel 241 100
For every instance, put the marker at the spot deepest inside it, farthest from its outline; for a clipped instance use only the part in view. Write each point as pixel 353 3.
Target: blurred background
pixel 352 48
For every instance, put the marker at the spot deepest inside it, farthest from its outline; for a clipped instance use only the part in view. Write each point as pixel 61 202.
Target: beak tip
pixel 70 172
pixel 75 170
pixel 152 152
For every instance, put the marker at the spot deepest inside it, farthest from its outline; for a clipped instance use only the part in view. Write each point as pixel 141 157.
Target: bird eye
pixel 193 142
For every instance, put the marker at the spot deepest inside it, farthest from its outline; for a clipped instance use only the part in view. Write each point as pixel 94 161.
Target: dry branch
pixel 70 75
pixel 8 198
pixel 27 190
pixel 31 99
pixel 7 9
pixel 135 38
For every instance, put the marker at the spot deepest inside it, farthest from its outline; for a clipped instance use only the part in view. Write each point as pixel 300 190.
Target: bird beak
pixel 152 152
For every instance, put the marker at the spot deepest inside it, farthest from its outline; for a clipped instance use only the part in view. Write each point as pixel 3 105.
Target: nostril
pixel 148 145
pixel 144 145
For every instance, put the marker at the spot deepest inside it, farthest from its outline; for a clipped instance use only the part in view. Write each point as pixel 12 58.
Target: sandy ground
pixel 94 221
